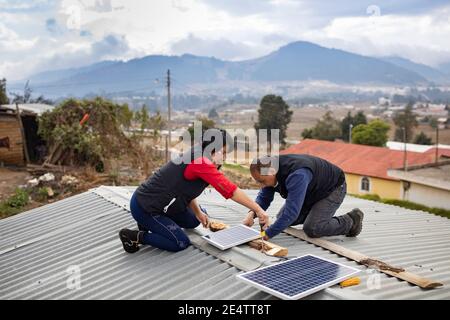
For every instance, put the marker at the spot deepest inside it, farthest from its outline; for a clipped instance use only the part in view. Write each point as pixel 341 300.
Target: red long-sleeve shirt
pixel 207 171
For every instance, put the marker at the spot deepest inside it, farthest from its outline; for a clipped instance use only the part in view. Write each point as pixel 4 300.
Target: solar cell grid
pixel 299 277
pixel 231 237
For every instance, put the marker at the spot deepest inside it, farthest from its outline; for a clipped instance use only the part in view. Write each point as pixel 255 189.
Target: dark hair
pixel 216 139
pixel 263 162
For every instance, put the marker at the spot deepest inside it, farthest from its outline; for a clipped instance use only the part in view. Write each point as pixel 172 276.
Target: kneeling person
pixel 313 188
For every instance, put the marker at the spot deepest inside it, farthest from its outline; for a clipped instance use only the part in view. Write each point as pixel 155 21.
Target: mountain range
pixel 297 61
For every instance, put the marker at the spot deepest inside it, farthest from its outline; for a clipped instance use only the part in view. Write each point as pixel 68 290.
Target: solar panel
pixel 234 236
pixel 299 277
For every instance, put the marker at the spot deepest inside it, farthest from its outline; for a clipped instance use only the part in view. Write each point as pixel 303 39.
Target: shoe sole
pixel 360 215
pixel 127 245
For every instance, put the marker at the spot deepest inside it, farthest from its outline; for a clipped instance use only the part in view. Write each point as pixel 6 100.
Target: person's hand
pixel 203 218
pixel 249 219
pixel 263 219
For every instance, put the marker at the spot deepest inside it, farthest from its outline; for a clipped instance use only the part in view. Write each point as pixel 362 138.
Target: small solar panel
pixel 234 236
pixel 299 277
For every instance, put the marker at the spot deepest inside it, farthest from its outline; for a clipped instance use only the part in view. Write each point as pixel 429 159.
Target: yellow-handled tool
pixel 350 282
pixel 263 234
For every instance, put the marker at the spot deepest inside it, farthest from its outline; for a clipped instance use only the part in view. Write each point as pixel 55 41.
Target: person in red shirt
pixel 166 202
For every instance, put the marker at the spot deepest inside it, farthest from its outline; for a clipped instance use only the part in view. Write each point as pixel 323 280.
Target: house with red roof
pixel 366 167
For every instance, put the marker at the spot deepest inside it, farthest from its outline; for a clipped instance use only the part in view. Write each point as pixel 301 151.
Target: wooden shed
pixel 12 142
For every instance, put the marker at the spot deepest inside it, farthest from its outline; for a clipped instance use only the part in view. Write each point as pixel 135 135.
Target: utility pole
pixel 436 157
pixel 169 117
pixel 169 107
pixel 405 161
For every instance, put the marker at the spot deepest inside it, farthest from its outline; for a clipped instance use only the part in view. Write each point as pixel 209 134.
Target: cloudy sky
pixel 38 35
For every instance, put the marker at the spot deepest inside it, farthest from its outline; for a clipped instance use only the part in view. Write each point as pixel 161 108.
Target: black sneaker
pixel 357 217
pixel 129 240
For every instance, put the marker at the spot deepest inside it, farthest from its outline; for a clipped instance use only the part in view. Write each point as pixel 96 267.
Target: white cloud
pixel 48 34
pixel 222 48
pixel 422 38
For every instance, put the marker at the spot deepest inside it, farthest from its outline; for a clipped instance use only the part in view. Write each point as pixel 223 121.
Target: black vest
pixel 167 191
pixel 326 177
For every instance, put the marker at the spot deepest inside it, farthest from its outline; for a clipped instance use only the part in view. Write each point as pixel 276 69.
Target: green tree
pixel 3 96
pixel 307 133
pixel 407 121
pixel 125 115
pixel 27 97
pixel 327 128
pixel 433 123
pixel 359 118
pixel 274 113
pixel 213 114
pixel 157 123
pixel 422 138
pixel 142 117
pixel 375 133
pixel 206 125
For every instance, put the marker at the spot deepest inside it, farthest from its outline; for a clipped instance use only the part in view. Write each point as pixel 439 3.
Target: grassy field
pixel 238 168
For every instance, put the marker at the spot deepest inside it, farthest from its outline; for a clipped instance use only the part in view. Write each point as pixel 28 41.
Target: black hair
pixel 216 139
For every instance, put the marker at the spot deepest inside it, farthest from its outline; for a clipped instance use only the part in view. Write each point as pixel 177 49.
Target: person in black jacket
pixel 166 203
pixel 313 188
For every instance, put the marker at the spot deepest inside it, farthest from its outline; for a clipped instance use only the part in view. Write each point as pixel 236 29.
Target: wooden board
pixel 397 272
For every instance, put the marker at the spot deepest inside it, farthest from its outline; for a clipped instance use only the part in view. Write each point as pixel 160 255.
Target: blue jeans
pixel 164 231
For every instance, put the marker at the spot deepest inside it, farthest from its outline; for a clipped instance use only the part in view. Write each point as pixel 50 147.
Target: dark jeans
pixel 320 221
pixel 164 231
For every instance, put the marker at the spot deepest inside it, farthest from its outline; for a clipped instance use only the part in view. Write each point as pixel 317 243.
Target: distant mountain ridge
pixel 297 61
pixel 428 72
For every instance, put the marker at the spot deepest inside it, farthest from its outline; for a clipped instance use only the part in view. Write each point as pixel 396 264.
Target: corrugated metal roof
pixel 38 248
pixel 36 108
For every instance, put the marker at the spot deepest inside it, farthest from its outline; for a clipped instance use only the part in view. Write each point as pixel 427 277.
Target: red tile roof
pixel 359 159
pixel 441 152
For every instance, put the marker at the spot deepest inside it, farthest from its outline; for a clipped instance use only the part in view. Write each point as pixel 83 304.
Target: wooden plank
pixel 360 258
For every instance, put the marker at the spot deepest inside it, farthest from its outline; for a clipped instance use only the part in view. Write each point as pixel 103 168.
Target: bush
pixel 42 194
pixel 98 139
pixel 18 200
pixel 372 197
pixel 417 206
pixel 14 204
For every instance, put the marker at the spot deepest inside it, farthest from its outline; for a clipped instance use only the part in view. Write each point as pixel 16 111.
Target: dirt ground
pixel 121 173
pixel 10 179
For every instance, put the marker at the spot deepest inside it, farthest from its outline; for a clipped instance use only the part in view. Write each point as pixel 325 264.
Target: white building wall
pixel 428 196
